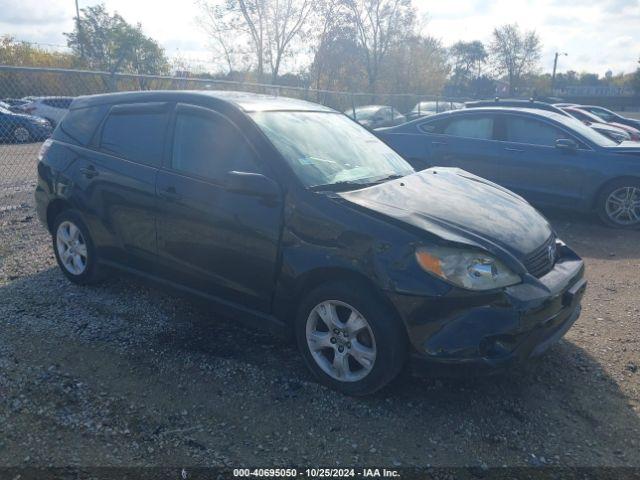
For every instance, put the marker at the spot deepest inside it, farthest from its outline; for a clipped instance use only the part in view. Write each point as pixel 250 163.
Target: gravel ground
pixel 129 374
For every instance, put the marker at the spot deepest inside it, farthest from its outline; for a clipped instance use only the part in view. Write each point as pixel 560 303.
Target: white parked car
pixel 49 108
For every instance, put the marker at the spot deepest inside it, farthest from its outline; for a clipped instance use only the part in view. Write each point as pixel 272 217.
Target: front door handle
pixel 89 172
pixel 170 194
pixel 438 143
pixel 515 150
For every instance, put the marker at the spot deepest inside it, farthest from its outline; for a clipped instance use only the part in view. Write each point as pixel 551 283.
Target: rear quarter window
pixel 79 125
pixel 136 132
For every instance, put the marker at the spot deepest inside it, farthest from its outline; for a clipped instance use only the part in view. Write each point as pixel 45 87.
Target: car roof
pixel 49 97
pixel 536 112
pixel 533 111
pixel 369 107
pixel 248 102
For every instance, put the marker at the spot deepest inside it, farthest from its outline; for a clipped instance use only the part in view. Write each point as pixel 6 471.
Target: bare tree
pixel 286 21
pixel 218 24
pixel 379 24
pixel 269 27
pixel 514 53
pixel 327 22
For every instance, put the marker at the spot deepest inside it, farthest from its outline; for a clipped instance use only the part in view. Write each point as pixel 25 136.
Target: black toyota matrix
pixel 294 218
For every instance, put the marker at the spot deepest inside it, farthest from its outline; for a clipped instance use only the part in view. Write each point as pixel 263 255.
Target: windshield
pixel 326 149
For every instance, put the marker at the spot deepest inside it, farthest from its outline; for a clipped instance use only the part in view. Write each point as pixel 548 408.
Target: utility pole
pixel 555 67
pixel 80 36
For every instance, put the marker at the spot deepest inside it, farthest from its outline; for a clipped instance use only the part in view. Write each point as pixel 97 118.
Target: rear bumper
pixel 492 331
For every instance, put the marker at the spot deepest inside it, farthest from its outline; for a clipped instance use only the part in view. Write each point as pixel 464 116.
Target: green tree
pixel 416 65
pixel 13 52
pixel 467 61
pixel 107 42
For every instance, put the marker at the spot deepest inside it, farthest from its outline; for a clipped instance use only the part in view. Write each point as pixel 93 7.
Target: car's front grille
pixel 541 260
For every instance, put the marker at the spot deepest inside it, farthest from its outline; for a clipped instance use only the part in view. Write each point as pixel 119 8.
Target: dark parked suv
pixel 296 219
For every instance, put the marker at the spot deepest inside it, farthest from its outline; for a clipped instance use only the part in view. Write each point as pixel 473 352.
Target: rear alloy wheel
pixel 349 338
pixel 21 135
pixel 619 205
pixel 74 250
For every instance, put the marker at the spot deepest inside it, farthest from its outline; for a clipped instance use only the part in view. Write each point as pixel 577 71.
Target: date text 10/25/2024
pixel 316 473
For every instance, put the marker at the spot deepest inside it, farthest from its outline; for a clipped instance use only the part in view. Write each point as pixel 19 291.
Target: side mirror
pixel 566 144
pixel 254 184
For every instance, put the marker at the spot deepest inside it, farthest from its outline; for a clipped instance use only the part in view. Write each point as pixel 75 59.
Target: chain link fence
pixel 47 93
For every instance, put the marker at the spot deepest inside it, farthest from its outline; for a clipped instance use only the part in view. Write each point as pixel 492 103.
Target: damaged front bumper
pixel 494 330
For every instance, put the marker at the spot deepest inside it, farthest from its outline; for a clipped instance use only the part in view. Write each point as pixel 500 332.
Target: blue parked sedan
pixel 21 128
pixel 548 158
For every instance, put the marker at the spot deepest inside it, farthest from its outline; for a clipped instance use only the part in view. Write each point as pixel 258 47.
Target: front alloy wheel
pixel 350 337
pixel 623 206
pixel 341 341
pixel 618 204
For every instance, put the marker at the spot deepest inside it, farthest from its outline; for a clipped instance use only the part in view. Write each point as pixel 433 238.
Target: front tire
pixel 74 250
pixel 618 204
pixel 350 339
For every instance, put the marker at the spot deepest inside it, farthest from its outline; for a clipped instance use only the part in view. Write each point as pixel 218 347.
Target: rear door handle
pixel 515 150
pixel 89 172
pixel 438 143
pixel 170 194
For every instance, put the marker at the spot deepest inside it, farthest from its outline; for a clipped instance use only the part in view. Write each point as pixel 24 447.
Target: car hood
pixel 627 146
pixel 624 127
pixel 24 117
pixel 460 207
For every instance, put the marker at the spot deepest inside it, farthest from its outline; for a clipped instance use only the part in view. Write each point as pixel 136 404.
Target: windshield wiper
pixel 351 185
pixel 340 186
pixel 393 176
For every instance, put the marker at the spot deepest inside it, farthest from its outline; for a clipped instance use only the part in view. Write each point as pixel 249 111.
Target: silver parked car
pixel 50 108
pixel 376 116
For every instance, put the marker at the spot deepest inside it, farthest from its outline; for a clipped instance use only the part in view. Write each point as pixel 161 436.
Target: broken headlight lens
pixel 466 268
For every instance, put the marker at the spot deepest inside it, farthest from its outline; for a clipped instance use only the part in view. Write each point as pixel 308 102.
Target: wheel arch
pixel 54 209
pixel 607 184
pixel 312 279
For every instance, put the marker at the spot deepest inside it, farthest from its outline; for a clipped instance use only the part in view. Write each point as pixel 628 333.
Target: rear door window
pixel 208 145
pixel 136 132
pixel 478 127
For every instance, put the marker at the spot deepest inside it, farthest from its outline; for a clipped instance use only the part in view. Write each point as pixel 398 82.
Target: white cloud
pixel 598 34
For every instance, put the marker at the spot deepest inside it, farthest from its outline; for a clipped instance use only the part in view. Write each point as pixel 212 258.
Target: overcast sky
pixel 598 35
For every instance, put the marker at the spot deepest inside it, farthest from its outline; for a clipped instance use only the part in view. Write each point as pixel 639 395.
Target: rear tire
pixel 74 250
pixel 618 205
pixel 21 135
pixel 364 348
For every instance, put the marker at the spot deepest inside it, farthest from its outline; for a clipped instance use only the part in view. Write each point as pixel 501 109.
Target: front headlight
pixel 466 268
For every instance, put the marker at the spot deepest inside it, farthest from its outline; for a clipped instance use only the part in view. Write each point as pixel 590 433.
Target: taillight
pixel 46 145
